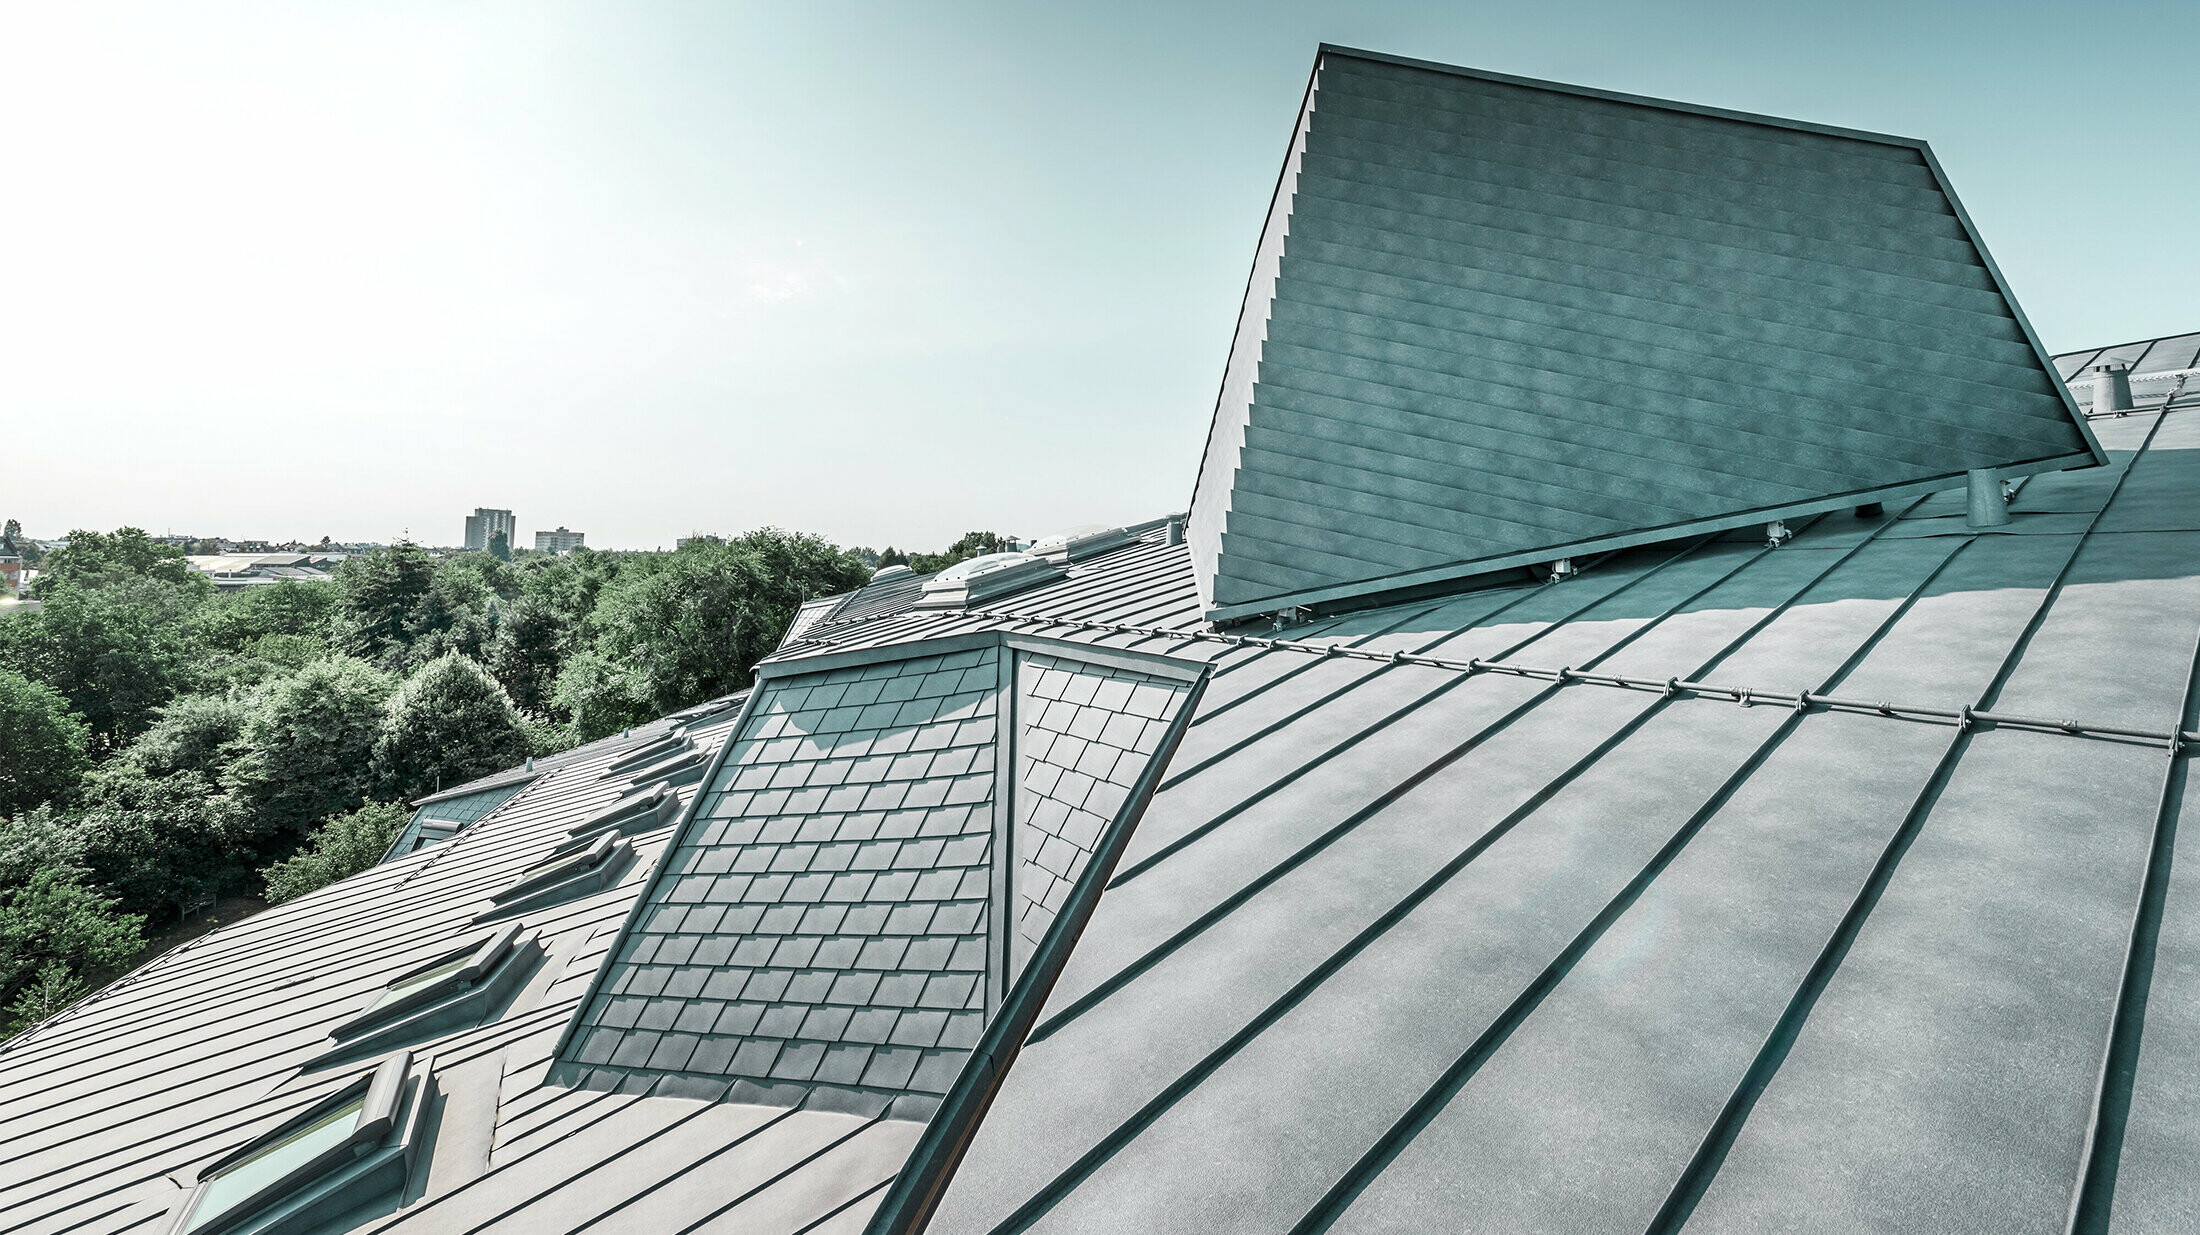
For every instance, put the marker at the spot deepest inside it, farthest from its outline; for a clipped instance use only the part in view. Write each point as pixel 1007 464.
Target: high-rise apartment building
pixel 564 540
pixel 484 524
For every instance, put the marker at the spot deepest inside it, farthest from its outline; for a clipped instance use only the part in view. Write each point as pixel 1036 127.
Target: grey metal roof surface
pixel 1416 933
pixel 1409 946
pixel 1491 319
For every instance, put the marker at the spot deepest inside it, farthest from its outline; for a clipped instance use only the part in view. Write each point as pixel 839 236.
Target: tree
pixel 529 647
pixel 52 919
pixel 44 744
pixel 571 583
pixel 693 624
pixel 972 544
pixel 377 593
pixel 300 607
pixel 95 559
pixel 308 747
pixel 116 652
pixel 500 546
pixel 194 733
pixel 338 849
pixel 456 614
pixel 51 991
pixel 449 723
pixel 156 843
pixel 601 696
pixel 11 537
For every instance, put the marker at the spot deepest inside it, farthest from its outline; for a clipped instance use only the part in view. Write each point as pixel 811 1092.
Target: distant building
pixel 11 576
pixel 483 525
pixel 699 538
pixel 234 572
pixel 564 540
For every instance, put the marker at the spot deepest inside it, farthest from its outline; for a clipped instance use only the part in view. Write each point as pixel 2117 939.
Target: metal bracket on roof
pixel 1777 534
pixel 1561 570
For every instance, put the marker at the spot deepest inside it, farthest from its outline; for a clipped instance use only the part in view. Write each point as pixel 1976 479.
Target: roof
pixel 1727 883
pixel 1395 927
pixel 1495 322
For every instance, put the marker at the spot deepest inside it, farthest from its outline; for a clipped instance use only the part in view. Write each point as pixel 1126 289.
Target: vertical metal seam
pixel 1333 1203
pixel 1703 1165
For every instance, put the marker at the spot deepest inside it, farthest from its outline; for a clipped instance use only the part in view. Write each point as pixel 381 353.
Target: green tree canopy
pixel 43 741
pixel 376 595
pixel 156 843
pixel 194 733
pixel 98 559
pixel 530 644
pixel 338 849
pixel 52 920
pixel 307 748
pixel 693 624
pixel 116 652
pixel 449 723
pixel 300 607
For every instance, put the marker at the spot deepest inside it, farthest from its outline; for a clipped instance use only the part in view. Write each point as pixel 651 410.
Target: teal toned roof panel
pixel 1494 322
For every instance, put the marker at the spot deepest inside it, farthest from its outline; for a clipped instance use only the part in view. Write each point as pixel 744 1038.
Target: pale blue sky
pixel 883 272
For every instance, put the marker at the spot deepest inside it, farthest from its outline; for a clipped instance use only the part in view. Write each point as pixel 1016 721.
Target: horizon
pixel 850 270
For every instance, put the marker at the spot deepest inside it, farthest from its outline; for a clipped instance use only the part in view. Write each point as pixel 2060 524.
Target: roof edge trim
pixel 1371 589
pixel 1620 96
pixel 2016 309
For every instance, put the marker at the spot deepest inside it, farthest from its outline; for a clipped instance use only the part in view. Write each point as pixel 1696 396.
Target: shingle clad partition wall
pixel 1496 322
pixel 829 931
pixel 1085 733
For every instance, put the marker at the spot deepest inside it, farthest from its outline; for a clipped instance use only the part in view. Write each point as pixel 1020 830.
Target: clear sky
pixel 886 272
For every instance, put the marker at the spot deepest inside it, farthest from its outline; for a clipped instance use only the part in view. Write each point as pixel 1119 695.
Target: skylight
pixel 562 876
pixel 251 1177
pixel 1078 543
pixel 446 989
pixel 346 1149
pixel 645 808
pixel 983 579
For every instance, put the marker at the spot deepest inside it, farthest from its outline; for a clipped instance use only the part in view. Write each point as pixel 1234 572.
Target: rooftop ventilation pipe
pixel 2111 388
pixel 1989 504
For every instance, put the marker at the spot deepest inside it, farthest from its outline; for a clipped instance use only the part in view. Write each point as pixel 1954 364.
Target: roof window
pixel 642 756
pixel 638 811
pixel 1078 543
pixel 983 579
pixel 451 973
pixel 567 874
pixel 347 1148
pixel 678 768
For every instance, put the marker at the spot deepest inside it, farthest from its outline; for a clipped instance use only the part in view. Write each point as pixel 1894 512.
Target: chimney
pixel 2111 388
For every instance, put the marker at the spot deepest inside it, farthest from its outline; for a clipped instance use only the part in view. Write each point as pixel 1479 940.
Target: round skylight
pixel 1066 535
pixel 890 572
pixel 981 566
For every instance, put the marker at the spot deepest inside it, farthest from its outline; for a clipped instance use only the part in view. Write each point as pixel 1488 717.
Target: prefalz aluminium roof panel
pixel 1494 322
